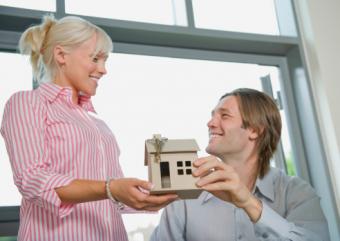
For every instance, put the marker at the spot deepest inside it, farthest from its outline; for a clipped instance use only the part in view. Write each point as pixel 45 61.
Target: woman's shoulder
pixel 24 98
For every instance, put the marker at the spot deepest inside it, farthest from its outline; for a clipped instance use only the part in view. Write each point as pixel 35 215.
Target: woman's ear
pixel 59 55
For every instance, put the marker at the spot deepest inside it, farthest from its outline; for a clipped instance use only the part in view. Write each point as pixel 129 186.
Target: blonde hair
pixel 69 32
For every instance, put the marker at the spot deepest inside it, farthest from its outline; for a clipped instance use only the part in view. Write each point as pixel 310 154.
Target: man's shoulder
pixel 290 184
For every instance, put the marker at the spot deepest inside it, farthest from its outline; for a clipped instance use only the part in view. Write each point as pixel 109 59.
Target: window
pixel 180 170
pixel 154 82
pixel 149 94
pixel 157 80
pixel 46 5
pixel 239 16
pixel 170 12
pixel 11 81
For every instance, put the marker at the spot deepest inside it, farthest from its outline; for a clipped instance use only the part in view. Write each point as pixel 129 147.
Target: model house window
pixel 180 170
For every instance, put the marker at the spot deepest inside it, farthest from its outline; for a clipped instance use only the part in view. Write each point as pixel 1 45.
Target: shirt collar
pixel 265 186
pixel 52 92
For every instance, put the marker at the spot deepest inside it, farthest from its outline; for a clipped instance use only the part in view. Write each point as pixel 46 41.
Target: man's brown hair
pixel 259 112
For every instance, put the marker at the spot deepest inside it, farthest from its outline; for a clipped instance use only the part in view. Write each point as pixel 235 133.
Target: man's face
pixel 227 137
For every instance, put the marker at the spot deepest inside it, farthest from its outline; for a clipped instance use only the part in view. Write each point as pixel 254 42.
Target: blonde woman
pixel 65 161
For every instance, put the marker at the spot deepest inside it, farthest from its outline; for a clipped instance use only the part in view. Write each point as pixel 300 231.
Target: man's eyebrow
pixel 224 110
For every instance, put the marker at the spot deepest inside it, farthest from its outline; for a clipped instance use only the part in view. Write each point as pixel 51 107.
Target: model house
pixel 170 166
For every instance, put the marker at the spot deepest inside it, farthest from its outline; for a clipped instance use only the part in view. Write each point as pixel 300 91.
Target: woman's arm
pixel 126 190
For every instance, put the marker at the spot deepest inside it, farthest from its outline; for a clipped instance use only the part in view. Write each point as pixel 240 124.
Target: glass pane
pixel 46 5
pixel 240 16
pixel 151 11
pixel 173 97
pixel 285 138
pixel 11 81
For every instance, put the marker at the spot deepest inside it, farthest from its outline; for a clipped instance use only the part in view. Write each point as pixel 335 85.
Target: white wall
pixel 319 23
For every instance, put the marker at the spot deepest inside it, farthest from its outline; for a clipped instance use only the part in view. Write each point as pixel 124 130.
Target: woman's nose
pixel 102 68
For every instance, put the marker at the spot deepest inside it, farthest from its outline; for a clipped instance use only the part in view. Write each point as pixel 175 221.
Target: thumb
pixel 145 185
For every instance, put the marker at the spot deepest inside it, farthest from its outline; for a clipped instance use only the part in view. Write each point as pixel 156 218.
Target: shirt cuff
pixel 50 198
pixel 272 220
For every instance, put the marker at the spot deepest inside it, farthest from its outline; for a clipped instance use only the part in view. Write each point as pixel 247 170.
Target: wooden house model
pixel 170 166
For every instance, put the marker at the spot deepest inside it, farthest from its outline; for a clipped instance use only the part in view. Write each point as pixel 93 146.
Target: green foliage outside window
pixel 290 165
pixel 8 238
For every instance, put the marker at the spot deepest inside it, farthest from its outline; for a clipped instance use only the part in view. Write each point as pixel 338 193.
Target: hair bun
pixel 48 22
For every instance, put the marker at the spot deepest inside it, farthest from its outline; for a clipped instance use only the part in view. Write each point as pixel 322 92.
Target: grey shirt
pixel 291 211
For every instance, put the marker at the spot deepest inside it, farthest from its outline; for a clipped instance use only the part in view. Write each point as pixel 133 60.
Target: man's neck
pixel 247 168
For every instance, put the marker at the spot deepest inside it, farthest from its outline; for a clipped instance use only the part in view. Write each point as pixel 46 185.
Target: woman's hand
pixel 223 181
pixel 135 193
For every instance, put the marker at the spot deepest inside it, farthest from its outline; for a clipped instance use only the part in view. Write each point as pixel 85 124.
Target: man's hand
pixel 135 193
pixel 224 182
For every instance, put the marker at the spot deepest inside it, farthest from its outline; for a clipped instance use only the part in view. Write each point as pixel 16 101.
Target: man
pixel 246 199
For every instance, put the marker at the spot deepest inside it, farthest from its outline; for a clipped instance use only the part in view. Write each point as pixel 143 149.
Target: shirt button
pixel 240 237
pixel 264 235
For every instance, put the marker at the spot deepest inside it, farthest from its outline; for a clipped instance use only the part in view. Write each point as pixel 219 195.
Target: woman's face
pixel 80 70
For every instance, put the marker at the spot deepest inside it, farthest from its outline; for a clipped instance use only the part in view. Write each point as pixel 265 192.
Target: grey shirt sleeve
pixel 304 219
pixel 172 223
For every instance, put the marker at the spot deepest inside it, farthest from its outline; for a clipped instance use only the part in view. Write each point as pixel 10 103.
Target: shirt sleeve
pixel 304 219
pixel 172 224
pixel 23 128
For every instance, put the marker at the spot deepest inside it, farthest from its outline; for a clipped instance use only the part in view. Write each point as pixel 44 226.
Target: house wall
pixel 177 182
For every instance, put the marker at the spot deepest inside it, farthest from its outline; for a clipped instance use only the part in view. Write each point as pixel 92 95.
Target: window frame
pixel 285 52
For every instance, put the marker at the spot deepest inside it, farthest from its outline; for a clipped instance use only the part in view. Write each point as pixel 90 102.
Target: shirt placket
pixel 107 217
pixel 239 234
pixel 104 168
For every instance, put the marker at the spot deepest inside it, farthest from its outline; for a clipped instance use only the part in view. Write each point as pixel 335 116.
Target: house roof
pixel 171 146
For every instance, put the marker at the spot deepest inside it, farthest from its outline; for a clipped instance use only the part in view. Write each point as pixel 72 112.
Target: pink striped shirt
pixel 50 142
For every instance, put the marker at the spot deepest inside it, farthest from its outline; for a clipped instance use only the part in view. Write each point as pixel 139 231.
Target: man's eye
pixel 95 59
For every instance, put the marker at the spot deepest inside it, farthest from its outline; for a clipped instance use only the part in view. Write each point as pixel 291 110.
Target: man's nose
pixel 212 122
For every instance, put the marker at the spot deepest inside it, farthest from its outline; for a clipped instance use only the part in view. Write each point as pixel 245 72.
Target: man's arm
pixel 304 219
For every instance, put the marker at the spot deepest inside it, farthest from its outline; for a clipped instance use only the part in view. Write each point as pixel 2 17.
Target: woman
pixel 64 160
